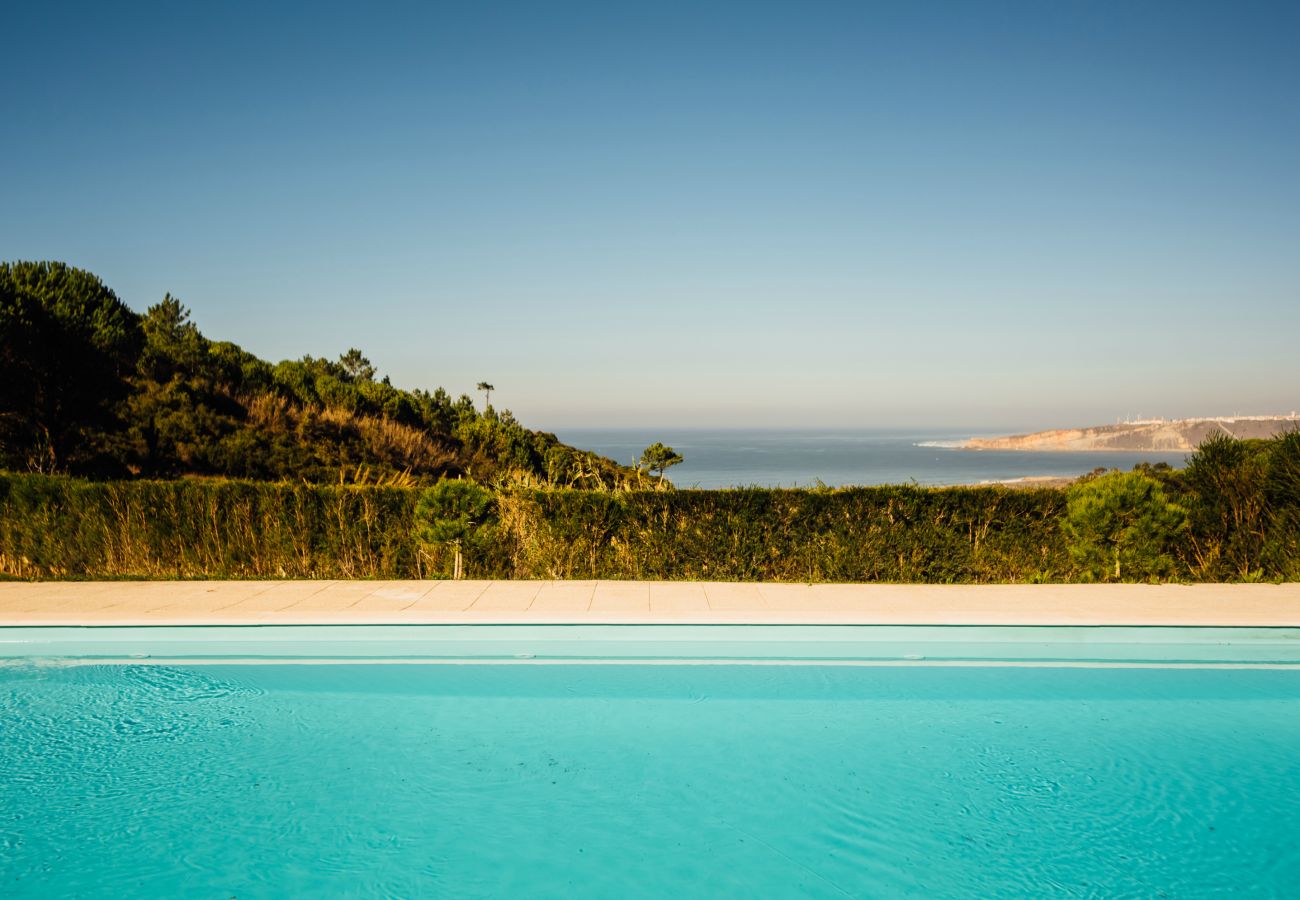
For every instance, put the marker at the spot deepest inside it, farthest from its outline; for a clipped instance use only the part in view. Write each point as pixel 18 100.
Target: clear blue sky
pixel 846 214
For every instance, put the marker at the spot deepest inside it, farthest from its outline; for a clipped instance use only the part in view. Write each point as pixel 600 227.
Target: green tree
pixel 1226 480
pixel 659 458
pixel 487 390
pixel 177 412
pixel 357 367
pixel 67 347
pixel 172 342
pixel 449 514
pixel 1282 497
pixel 1122 526
pixel 462 411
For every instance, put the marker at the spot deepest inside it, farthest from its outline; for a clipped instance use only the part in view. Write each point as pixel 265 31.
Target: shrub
pixel 1225 481
pixel 450 514
pixel 1282 500
pixel 1122 526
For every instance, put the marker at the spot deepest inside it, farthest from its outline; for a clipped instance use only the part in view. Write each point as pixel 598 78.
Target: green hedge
pixel 901 534
pixel 1232 515
pixel 57 527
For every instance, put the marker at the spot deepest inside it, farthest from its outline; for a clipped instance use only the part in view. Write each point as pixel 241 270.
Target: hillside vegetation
pixel 89 387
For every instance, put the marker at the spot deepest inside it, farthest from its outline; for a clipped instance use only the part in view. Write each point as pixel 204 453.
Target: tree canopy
pixel 67 345
pixel 659 458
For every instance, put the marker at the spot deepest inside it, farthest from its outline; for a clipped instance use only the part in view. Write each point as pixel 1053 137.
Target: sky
pixel 778 215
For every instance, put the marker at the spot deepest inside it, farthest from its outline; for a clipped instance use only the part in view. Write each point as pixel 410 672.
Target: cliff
pixel 1154 435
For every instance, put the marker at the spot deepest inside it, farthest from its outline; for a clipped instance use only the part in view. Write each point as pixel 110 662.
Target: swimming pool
pixel 709 761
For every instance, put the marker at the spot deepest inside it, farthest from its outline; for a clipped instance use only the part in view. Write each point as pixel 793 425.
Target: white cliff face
pixel 1165 435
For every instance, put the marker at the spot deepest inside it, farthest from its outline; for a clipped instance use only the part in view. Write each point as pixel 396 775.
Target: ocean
pixel 716 458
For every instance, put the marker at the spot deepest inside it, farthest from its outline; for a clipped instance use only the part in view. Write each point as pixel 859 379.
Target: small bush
pixel 452 514
pixel 1282 499
pixel 1122 526
pixel 1226 502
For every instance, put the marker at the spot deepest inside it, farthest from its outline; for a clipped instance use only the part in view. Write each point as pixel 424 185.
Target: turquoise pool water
pixel 216 778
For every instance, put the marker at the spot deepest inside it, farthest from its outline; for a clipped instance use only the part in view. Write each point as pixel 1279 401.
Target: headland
pixel 1140 435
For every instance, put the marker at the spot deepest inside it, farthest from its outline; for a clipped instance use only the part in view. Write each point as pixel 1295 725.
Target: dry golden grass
pixel 388 444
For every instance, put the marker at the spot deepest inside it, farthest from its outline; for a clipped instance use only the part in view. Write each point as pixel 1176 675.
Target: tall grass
pixel 56 527
pixel 903 534
pixel 1242 500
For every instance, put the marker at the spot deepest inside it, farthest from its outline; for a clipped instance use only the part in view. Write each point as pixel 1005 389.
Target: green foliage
pixel 896 534
pixel 66 527
pixel 659 458
pixel 60 527
pixel 88 387
pixel 449 511
pixel 1122 526
pixel 1282 501
pixel 1168 477
pixel 1225 480
pixel 453 513
pixel 177 415
pixel 67 345
pixel 356 366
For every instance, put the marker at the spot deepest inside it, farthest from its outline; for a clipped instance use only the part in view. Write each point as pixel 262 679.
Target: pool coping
pixel 656 644
pixel 601 602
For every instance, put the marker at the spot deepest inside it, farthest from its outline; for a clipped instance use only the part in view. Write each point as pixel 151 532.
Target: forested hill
pixel 90 387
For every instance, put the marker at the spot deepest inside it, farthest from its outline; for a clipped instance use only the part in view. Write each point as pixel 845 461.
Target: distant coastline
pixel 1155 435
pixel 791 458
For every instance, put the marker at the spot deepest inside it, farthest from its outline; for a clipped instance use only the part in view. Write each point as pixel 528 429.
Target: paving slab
pixel 560 599
pixel 507 596
pixel 621 599
pixel 672 599
pixel 728 596
pixel 659 602
pixel 443 598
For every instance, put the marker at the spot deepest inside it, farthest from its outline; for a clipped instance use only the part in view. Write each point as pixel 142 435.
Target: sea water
pixel 799 458
pixel 571 781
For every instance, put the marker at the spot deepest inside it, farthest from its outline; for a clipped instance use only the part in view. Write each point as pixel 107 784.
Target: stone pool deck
pixel 639 602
